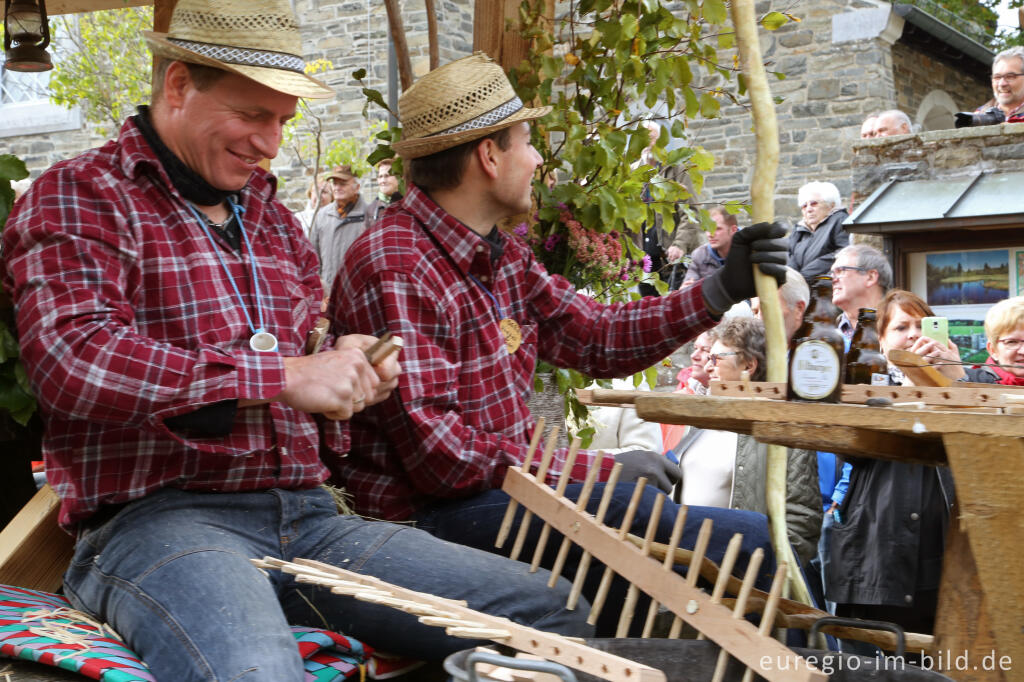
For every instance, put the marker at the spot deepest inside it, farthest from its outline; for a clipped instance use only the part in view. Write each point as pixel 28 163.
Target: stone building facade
pixel 843 60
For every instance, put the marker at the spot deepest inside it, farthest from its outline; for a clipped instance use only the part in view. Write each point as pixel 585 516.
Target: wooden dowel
pixel 581 504
pixel 542 472
pixel 629 607
pixel 510 511
pixel 749 578
pixel 693 572
pixel 584 565
pixel 563 481
pixel 392 345
pixel 768 619
pixel 667 564
pixel 728 562
pixel 606 577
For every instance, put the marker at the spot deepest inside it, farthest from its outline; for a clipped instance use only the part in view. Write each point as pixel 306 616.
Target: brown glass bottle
pixel 865 363
pixel 818 351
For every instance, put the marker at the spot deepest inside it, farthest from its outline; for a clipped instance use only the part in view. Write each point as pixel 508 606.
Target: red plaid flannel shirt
pixel 126 318
pixel 459 417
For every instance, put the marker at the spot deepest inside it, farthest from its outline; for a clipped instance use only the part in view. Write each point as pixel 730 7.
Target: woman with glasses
pixel 1004 327
pixel 725 469
pixel 819 234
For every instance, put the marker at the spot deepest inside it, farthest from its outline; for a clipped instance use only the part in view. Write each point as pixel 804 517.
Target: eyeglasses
pixel 808 204
pixel 843 269
pixel 713 358
pixel 1008 77
pixel 1011 344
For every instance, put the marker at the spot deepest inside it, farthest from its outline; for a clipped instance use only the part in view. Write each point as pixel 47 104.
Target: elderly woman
pixel 724 469
pixel 1004 327
pixel 819 234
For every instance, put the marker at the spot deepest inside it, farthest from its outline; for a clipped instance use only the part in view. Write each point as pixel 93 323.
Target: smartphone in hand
pixel 936 328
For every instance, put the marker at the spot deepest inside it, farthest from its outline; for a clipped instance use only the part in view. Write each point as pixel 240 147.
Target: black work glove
pixel 658 469
pixel 761 243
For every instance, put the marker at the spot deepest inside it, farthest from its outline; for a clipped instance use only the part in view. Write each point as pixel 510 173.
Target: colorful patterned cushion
pixel 42 627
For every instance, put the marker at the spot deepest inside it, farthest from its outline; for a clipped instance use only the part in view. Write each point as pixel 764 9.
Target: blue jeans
pixel 171 574
pixel 475 521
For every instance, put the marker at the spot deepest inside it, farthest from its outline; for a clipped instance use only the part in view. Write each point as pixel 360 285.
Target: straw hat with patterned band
pixel 258 39
pixel 458 102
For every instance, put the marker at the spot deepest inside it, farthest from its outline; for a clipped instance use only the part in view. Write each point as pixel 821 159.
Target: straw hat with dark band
pixel 258 39
pixel 458 102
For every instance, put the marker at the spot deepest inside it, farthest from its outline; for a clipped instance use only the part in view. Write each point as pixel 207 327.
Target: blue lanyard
pixel 497 306
pixel 237 211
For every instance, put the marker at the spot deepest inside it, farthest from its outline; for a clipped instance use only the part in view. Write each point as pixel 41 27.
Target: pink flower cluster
pixel 598 250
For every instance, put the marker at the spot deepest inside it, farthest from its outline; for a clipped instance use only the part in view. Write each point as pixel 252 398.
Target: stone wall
pixel 917 74
pixel 937 155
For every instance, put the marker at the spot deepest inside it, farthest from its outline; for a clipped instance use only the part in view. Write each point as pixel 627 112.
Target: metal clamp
pixel 475 657
pixel 901 638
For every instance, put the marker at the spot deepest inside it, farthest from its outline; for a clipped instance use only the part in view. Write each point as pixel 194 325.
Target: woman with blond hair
pixel 1004 327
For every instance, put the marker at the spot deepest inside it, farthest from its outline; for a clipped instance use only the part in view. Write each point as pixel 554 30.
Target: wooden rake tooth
pixel 768 617
pixel 581 505
pixel 478 633
pixel 629 607
pixel 667 565
pixel 584 565
pixel 563 481
pixel 740 607
pixel 542 472
pixel 606 577
pixel 510 511
pixel 693 571
pixel 725 571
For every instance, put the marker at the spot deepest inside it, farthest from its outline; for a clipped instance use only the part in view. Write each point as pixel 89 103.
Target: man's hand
pixel 674 253
pixel 387 370
pixel 734 281
pixel 659 471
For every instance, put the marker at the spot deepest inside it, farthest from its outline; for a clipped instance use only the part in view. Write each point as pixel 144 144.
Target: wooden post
pixel 398 40
pixel 432 34
pixel 507 48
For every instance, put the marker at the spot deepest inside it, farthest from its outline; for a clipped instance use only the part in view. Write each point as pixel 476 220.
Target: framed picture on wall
pixel 962 285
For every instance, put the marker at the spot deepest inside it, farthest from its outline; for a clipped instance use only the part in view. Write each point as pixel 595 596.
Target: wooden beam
pixel 34 551
pixel 987 473
pixel 55 7
pixel 398 40
pixel 859 442
pixel 162 10
pixel 506 47
pixel 672 408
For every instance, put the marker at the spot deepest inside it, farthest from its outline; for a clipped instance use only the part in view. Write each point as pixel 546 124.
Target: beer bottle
pixel 818 351
pixel 865 363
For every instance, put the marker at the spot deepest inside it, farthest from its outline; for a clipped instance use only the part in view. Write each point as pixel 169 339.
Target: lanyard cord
pixel 237 211
pixel 494 299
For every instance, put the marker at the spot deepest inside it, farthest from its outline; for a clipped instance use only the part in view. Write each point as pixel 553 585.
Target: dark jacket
pixel 813 253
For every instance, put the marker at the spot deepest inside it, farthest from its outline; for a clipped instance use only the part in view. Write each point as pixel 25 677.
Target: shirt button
pixel 483 278
pixel 914 516
pixel 284 452
pixel 908 598
pixel 479 248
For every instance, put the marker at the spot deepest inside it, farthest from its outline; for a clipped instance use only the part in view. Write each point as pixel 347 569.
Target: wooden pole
pixel 398 40
pixel 432 34
pixel 762 196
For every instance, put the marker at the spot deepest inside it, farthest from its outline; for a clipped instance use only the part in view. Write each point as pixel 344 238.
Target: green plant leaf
pixel 714 11
pixel 773 21
pixel 12 168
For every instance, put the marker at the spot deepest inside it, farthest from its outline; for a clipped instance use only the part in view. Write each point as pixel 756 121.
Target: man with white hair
pixel 1007 85
pixel 867 128
pixel 794 295
pixel 819 234
pixel 892 122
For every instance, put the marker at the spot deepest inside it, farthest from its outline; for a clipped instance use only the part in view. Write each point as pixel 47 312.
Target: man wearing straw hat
pixel 475 311
pixel 163 298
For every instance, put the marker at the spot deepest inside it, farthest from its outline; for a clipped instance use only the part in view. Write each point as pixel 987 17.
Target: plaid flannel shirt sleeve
pixel 72 264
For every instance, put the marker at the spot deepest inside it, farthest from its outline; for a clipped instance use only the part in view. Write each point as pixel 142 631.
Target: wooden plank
pixel 961 622
pixel 858 442
pixel 988 475
pixel 710 412
pixel 54 7
pixel 958 395
pixel 739 637
pixel 34 551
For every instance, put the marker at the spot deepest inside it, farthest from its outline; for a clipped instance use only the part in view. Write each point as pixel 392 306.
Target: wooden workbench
pixel 981 599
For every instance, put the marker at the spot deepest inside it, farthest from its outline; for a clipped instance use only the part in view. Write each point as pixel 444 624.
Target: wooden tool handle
pixel 917 369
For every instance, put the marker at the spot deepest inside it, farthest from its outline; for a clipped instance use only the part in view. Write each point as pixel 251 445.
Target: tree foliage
pixel 103 66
